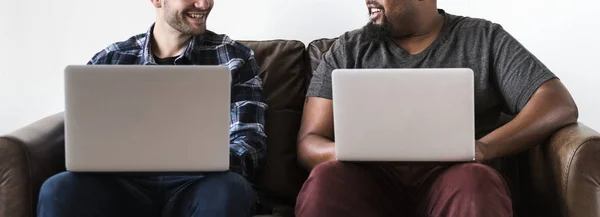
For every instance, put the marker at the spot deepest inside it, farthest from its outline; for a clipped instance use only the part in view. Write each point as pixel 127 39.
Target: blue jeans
pixel 102 195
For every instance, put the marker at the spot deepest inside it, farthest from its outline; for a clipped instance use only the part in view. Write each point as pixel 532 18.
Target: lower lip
pixel 196 21
pixel 375 16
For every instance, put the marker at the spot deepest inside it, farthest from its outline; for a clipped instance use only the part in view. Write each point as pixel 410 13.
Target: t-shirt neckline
pixel 441 37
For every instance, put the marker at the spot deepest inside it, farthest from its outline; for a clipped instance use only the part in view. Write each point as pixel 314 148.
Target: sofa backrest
pixel 285 73
pixel 286 69
pixel 316 49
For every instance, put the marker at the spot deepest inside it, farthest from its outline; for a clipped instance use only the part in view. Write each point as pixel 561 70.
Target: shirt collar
pixel 148 57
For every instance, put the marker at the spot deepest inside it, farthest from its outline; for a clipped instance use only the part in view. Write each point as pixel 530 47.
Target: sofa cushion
pixel 285 75
pixel 316 49
pixel 284 72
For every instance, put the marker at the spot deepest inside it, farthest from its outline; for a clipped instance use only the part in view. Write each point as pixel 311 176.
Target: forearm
pixel 549 110
pixel 314 149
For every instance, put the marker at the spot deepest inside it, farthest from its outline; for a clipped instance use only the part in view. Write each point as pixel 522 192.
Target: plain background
pixel 38 38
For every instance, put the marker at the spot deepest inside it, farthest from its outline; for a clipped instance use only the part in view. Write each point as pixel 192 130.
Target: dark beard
pixel 379 32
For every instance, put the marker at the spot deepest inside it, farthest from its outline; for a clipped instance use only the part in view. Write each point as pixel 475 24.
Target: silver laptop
pixel 404 115
pixel 124 118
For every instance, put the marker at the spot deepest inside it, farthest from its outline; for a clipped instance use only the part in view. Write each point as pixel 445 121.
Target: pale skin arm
pixel 550 108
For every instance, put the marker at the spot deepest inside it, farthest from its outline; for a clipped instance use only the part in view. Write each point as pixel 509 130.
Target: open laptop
pixel 404 115
pixel 134 118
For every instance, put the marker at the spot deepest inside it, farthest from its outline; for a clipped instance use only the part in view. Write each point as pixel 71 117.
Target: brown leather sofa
pixel 560 177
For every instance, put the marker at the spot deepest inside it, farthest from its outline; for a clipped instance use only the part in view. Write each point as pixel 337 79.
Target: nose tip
pixel 203 4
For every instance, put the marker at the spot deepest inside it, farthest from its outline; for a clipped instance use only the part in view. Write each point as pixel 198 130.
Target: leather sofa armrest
pixel 567 168
pixel 574 154
pixel 28 157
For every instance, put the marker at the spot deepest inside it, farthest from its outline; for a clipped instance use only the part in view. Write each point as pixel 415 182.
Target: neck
pixel 427 31
pixel 168 42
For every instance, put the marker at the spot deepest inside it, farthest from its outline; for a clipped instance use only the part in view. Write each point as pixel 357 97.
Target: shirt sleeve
pixel 320 83
pixel 100 58
pixel 517 73
pixel 248 139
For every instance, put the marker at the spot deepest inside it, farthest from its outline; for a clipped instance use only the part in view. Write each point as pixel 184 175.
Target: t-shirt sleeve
pixel 320 83
pixel 517 73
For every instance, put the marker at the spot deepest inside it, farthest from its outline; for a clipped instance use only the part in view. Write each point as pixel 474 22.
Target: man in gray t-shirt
pixel 416 34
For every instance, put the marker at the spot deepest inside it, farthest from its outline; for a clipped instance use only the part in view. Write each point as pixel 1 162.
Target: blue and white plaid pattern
pixel 247 136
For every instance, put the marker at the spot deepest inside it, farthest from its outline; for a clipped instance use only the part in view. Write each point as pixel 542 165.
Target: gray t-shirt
pixel 506 73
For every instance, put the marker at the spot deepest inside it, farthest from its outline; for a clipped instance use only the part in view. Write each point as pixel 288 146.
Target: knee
pixel 329 170
pixel 334 176
pixel 476 178
pixel 60 186
pixel 231 186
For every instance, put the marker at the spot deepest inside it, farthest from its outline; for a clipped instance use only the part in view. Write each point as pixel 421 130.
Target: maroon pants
pixel 347 190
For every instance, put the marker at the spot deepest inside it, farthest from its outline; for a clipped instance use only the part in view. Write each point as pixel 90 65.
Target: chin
pixel 377 32
pixel 378 22
pixel 195 31
pixel 200 32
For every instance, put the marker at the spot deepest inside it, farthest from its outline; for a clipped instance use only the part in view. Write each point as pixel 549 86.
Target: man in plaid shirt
pixel 178 37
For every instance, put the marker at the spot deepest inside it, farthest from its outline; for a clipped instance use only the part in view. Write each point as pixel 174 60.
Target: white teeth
pixel 375 10
pixel 196 16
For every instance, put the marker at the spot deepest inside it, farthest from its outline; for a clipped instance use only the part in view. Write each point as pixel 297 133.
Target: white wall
pixel 39 37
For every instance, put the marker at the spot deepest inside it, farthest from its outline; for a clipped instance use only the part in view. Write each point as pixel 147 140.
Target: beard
pixel 379 32
pixel 178 22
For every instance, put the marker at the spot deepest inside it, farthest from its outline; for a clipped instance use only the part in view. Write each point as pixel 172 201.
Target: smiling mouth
pixel 196 15
pixel 375 12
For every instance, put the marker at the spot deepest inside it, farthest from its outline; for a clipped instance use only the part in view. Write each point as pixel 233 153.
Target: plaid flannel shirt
pixel 247 137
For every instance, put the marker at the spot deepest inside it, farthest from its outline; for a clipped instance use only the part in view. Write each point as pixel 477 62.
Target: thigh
pixel 225 194
pixel 347 189
pixel 469 189
pixel 82 194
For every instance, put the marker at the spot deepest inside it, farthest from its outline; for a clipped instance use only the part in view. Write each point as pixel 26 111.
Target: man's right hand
pixel 316 137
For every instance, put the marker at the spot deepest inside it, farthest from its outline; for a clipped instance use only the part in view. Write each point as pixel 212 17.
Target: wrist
pixel 482 152
pixel 329 154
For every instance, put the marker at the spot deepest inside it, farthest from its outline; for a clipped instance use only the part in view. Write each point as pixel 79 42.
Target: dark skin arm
pixel 315 139
pixel 550 108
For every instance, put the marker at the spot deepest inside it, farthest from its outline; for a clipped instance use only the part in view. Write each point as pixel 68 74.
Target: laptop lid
pixel 125 118
pixel 404 115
